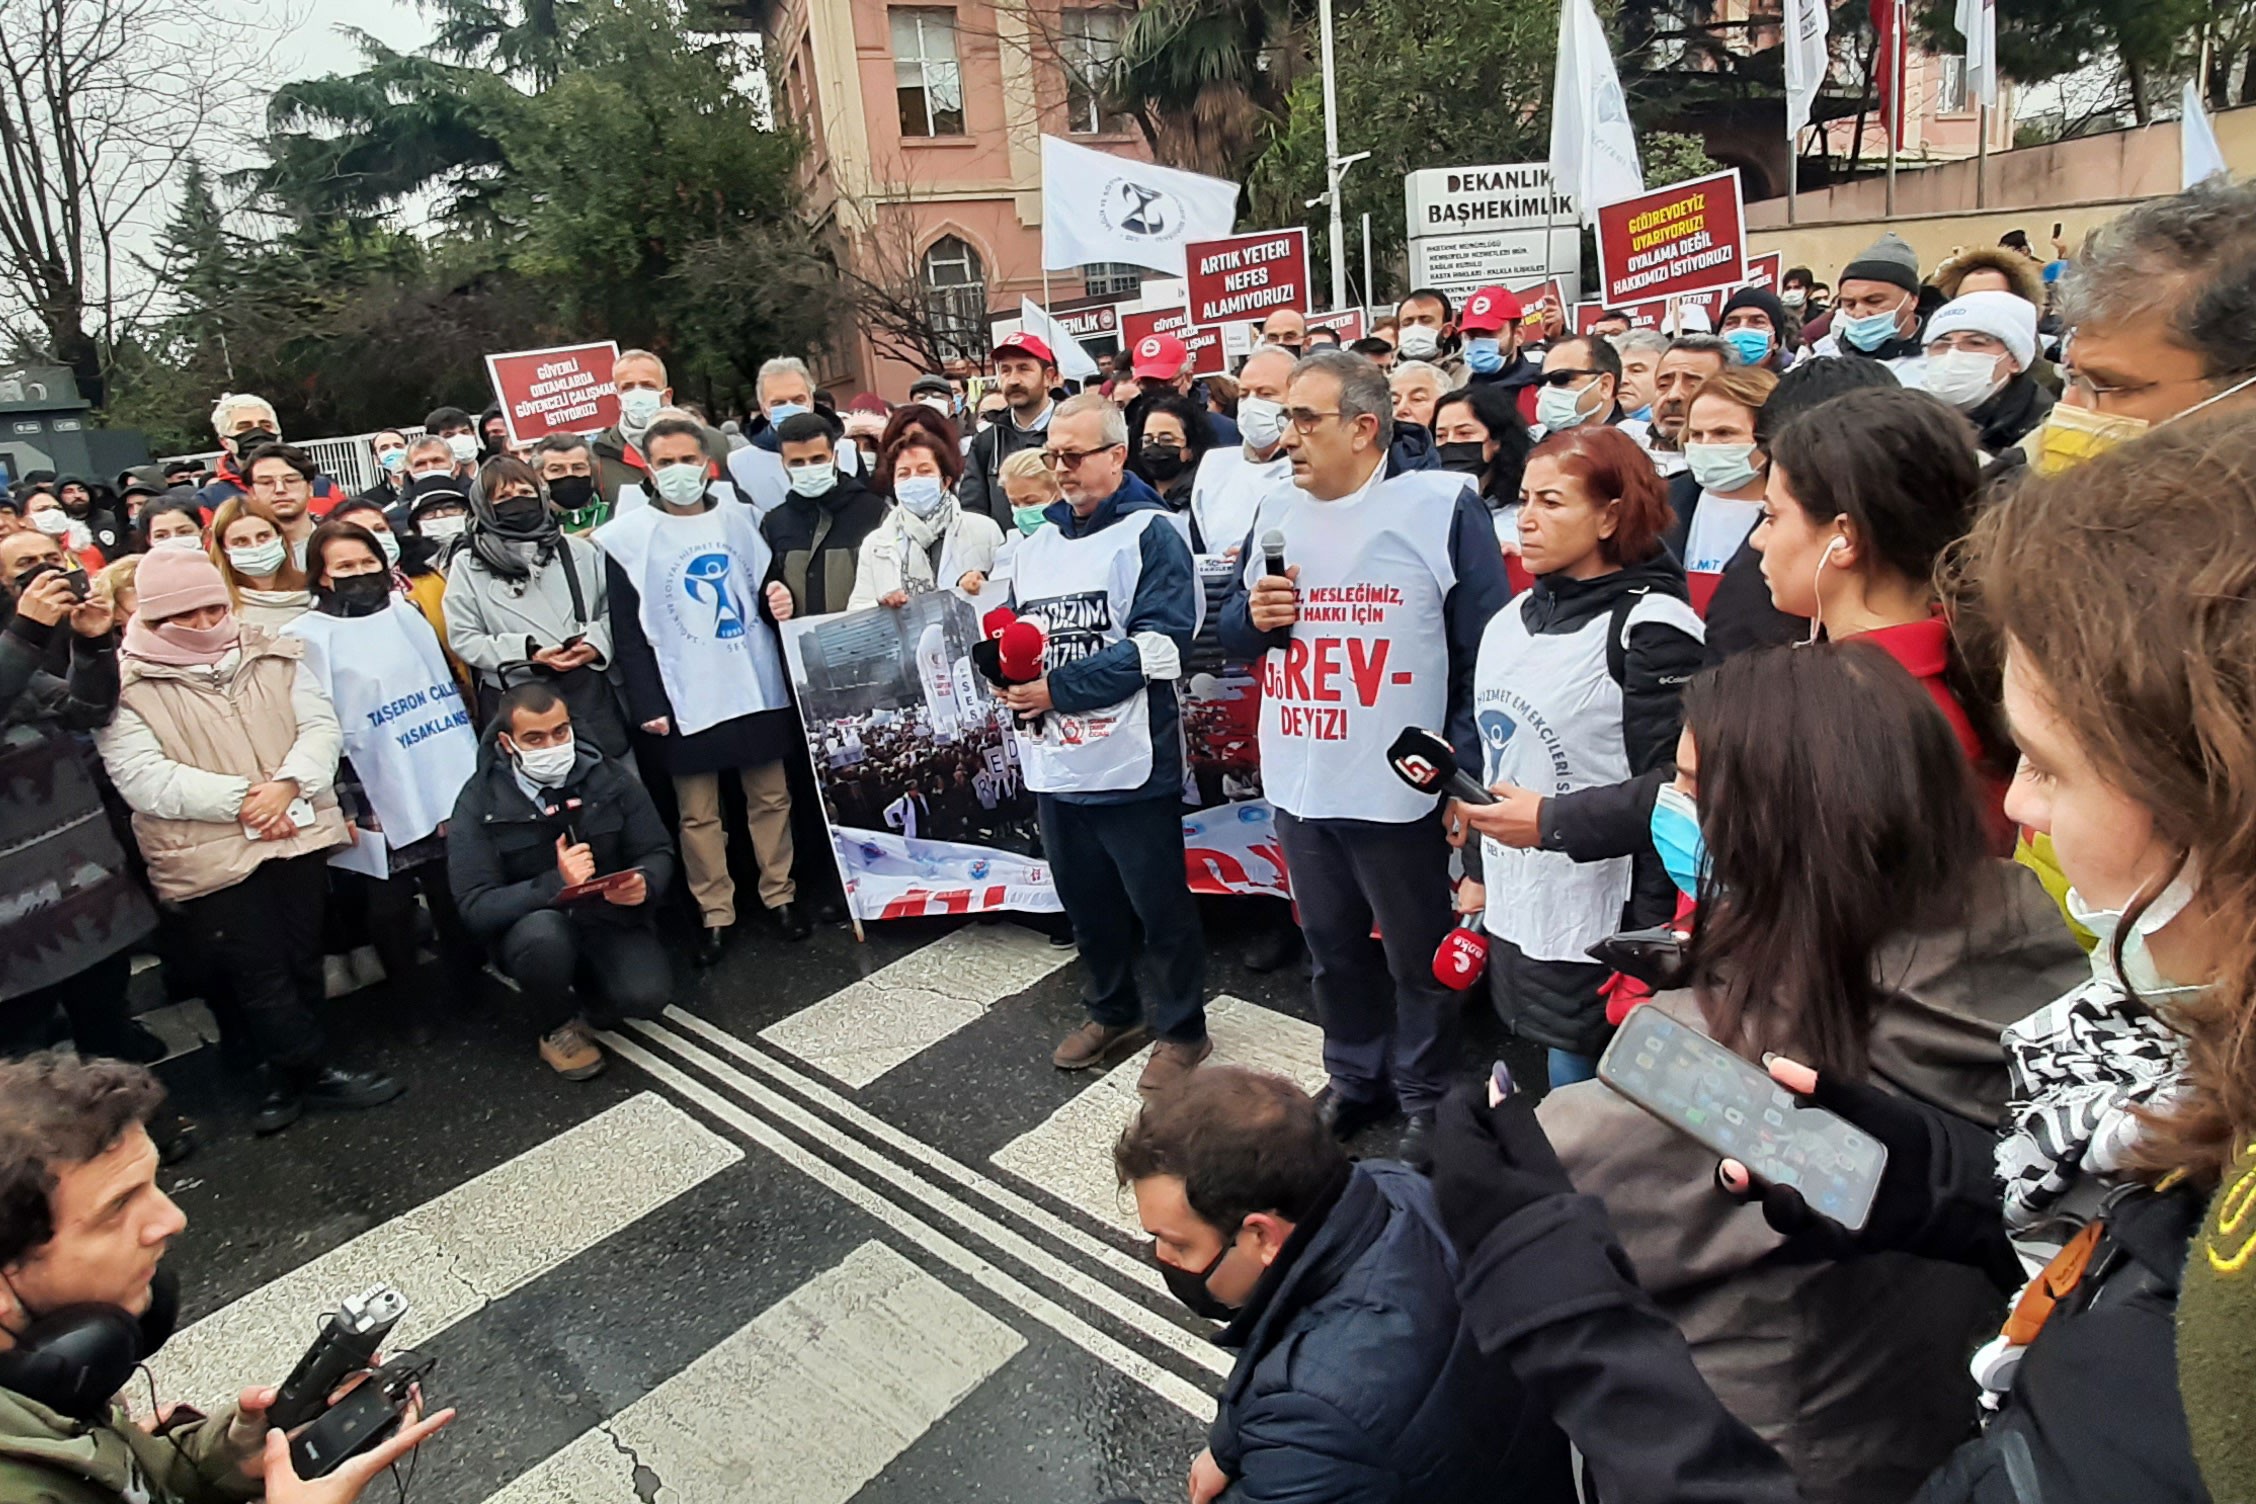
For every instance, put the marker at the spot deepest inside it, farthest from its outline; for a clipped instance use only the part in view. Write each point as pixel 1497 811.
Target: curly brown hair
pixel 57 1110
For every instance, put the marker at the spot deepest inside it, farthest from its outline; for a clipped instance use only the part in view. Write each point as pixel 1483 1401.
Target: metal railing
pixel 348 461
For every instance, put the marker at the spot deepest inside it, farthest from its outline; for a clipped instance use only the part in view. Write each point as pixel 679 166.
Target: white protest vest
pixel 1229 489
pixel 1370 653
pixel 1080 590
pixel 699 581
pixel 406 731
pixel 1550 720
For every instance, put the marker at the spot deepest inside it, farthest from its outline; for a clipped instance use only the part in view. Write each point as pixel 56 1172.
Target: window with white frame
pixel 1110 279
pixel 955 292
pixel 1088 44
pixel 1950 93
pixel 926 77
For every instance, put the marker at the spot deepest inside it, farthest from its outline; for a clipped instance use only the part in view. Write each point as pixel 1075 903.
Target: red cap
pixel 1490 308
pixel 1160 357
pixel 1023 343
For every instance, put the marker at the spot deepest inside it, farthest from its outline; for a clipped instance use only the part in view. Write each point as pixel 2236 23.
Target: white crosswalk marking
pixel 804 1405
pixel 1070 1154
pixel 859 1033
pixel 469 1246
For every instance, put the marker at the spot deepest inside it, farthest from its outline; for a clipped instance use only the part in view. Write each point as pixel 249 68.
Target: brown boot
pixel 1170 1062
pixel 572 1052
pixel 1095 1044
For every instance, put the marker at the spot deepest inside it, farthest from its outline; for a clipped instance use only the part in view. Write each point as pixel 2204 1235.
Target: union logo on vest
pixel 706 581
pixel 1496 729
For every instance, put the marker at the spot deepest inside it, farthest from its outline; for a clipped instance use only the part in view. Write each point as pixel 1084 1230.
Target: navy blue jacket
pixel 1166 601
pixel 1358 1379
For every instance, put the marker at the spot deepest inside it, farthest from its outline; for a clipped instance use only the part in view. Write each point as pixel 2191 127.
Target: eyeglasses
pixel 288 481
pixel 1305 419
pixel 1070 459
pixel 1563 376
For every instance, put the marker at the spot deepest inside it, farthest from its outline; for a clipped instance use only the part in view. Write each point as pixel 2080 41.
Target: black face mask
pixel 1189 1285
pixel 570 492
pixel 358 594
pixel 1466 457
pixel 520 514
pixel 1163 462
pixel 247 443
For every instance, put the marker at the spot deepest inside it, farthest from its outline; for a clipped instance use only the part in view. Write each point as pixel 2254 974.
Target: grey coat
pixel 492 620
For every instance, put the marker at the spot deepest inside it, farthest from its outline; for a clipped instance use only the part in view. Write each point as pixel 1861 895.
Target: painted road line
pixel 1127 1265
pixel 805 1405
pixel 184 1027
pixel 862 1031
pixel 1161 1381
pixel 906 1182
pixel 1070 1155
pixel 465 1248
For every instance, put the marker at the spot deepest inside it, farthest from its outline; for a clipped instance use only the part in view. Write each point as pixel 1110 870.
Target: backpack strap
pixel 572 582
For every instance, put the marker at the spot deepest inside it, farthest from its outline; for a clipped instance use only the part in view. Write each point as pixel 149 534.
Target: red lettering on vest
pixel 1369 673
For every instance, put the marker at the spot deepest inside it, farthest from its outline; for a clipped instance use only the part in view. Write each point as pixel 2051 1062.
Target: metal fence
pixel 348 461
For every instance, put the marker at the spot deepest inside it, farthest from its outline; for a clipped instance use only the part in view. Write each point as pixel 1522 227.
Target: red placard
pixel 1247 276
pixel 1205 344
pixel 1348 322
pixel 1687 237
pixel 563 390
pixel 1764 271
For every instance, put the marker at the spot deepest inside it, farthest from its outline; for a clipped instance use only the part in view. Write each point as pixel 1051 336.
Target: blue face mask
pixel 1676 836
pixel 1872 331
pixel 1644 414
pixel 1753 345
pixel 1484 356
pixel 783 410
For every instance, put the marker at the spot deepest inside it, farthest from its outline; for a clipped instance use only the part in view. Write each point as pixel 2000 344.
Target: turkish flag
pixel 1888 65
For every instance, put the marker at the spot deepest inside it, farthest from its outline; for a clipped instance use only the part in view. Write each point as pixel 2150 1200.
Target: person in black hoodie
pixel 815 533
pixel 104 522
pixel 543 812
pixel 1577 685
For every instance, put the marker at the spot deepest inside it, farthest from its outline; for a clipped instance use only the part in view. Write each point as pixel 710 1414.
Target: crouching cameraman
pixel 83 1227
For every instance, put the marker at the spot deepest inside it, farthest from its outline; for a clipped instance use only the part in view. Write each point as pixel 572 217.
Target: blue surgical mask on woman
pixel 1483 355
pixel 1872 331
pixel 921 495
pixel 1753 345
pixel 1676 837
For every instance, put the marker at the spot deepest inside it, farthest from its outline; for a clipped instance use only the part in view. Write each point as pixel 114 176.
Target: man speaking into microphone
pixel 1373 626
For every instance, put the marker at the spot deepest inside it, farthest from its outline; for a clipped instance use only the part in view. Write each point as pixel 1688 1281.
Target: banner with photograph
pixel 920 779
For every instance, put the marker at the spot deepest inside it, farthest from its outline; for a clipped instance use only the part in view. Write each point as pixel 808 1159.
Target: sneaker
pixel 1095 1044
pixel 336 977
pixel 571 1053
pixel 1170 1062
pixel 367 967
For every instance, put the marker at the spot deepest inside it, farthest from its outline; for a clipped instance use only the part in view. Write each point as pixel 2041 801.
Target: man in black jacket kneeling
pixel 543 814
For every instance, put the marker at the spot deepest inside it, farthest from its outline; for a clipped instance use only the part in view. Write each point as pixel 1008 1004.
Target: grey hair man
pixel 644 393
pixel 1640 351
pixel 784 388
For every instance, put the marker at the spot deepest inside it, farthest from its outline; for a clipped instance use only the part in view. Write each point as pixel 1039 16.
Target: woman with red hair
pixel 927 540
pixel 1577 684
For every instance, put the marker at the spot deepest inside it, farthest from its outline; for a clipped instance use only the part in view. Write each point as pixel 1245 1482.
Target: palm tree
pixel 1208 81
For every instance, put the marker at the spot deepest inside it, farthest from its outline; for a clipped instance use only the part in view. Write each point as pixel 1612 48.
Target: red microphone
pixel 1462 955
pixel 992 624
pixel 1018 651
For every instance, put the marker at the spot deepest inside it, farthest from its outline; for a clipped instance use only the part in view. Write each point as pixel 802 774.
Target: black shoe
pixel 1344 1117
pixel 1416 1147
pixel 279 1106
pixel 830 911
pixel 1061 939
pixel 710 944
pixel 338 1089
pixel 174 1135
pixel 1274 950
pixel 791 922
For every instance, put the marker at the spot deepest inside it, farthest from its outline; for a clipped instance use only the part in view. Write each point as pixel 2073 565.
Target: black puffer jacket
pixel 815 543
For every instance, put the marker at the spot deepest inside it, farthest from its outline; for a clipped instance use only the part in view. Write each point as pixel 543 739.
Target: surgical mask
pixel 814 479
pixel 782 410
pixel 442 527
pixel 1417 342
pixel 1189 1285
pixel 1793 297
pixel 1675 828
pixel 1721 467
pixel 1559 408
pixel 463 446
pixel 1261 421
pixel 1872 331
pixel 388 543
pixel 187 543
pixel 1753 345
pixel 393 460
pixel 1164 462
pixel 2138 973
pixel 54 522
pixel 1029 519
pixel 1484 356
pixel 2070 435
pixel 546 766
pixel 1963 378
pixel 680 485
pixel 1466 456
pixel 260 559
pixel 920 495
pixel 1644 414
pixel 638 405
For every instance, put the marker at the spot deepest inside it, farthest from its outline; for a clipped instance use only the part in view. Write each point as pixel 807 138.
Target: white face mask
pixel 1261 421
pixel 2138 972
pixel 54 522
pixel 681 485
pixel 637 406
pixel 260 559
pixel 187 543
pixel 922 495
pixel 1417 342
pixel 546 766
pixel 814 479
pixel 1964 378
pixel 1559 408
pixel 442 527
pixel 463 446
pixel 1721 467
pixel 388 543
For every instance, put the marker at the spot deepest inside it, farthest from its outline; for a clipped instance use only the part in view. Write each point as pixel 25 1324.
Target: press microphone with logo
pixel 1273 552
pixel 1425 760
pixel 1462 955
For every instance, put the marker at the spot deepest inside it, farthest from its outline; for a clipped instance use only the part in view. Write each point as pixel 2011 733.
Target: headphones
pixel 75 1360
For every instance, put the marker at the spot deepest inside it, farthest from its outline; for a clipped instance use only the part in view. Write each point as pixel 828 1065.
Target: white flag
pixel 1593 147
pixel 2199 156
pixel 1099 207
pixel 1073 362
pixel 1977 22
pixel 1806 61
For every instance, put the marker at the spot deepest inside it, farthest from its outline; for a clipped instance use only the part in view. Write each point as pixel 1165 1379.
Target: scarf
pixel 512 553
pixel 920 541
pixel 180 646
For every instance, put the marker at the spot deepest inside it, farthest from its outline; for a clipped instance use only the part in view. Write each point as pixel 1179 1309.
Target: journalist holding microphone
pixel 1373 625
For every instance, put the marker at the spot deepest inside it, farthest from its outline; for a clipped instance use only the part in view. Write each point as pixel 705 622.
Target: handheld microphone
pixel 1019 648
pixel 346 1344
pixel 1273 552
pixel 1425 760
pixel 992 624
pixel 1462 955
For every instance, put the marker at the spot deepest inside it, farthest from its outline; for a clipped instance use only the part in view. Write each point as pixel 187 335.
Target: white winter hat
pixel 2004 316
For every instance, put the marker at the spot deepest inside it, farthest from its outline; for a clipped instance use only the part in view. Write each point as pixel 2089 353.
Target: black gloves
pixel 1490 1162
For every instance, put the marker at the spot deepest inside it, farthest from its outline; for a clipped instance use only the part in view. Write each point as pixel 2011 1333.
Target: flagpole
pixel 1331 157
pixel 1369 296
pixel 1793 173
pixel 1982 156
pixel 1893 122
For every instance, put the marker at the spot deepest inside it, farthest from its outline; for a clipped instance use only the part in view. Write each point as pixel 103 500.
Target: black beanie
pixel 1762 298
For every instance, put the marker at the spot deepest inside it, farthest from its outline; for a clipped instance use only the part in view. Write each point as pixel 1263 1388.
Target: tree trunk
pixel 2134 74
pixel 72 346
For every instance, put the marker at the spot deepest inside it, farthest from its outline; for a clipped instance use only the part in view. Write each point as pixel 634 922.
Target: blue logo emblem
pixel 980 867
pixel 706 581
pixel 1496 730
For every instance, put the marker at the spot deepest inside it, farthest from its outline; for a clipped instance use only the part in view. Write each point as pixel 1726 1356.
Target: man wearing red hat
pixel 1026 371
pixel 1490 325
pixel 1162 360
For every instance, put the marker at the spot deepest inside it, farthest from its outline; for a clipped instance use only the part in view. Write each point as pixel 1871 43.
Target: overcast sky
pixel 316 46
